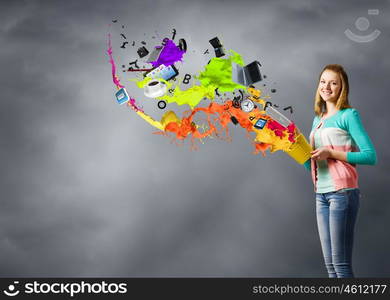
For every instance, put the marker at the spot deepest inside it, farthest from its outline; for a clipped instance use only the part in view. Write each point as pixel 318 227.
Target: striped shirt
pixel 342 131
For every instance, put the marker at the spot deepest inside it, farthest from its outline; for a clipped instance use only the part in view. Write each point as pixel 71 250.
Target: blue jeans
pixel 336 217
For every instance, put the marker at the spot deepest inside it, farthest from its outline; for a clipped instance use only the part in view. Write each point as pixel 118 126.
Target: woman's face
pixel 329 86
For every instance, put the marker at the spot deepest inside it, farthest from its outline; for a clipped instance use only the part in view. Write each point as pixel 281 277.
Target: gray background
pixel 88 190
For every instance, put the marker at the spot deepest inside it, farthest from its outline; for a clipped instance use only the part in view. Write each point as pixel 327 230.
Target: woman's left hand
pixel 321 153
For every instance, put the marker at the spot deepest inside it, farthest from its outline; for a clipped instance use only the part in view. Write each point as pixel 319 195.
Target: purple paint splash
pixel 113 69
pixel 169 55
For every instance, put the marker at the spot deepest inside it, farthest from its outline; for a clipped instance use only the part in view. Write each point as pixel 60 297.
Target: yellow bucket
pixel 300 150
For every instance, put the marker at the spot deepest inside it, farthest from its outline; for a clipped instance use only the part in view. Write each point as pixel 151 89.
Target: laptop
pixel 277 116
pixel 246 75
pixel 155 54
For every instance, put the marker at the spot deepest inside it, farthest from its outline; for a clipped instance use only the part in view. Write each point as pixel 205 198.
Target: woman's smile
pixel 329 86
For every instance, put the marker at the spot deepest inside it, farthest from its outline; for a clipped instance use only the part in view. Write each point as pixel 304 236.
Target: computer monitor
pixel 252 71
pixel 246 75
pixel 122 96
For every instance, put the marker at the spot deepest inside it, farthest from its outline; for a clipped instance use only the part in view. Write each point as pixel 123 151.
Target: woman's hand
pixel 321 153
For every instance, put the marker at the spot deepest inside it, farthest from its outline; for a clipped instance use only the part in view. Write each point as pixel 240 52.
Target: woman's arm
pixel 367 154
pixel 324 153
pixel 307 164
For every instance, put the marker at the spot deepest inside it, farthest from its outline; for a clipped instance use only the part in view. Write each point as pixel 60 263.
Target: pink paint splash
pixel 169 55
pixel 113 69
pixel 291 130
pixel 279 130
pixel 134 106
pixel 276 128
pixel 115 78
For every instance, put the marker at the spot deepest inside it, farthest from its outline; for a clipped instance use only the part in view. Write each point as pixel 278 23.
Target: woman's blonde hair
pixel 342 101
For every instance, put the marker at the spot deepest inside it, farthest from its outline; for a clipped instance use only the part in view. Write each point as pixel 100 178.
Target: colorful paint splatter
pixel 249 111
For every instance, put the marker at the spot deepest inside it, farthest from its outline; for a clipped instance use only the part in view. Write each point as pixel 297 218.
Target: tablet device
pixel 260 123
pixel 164 72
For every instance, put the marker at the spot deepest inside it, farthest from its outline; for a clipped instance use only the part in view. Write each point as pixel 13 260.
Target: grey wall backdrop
pixel 86 189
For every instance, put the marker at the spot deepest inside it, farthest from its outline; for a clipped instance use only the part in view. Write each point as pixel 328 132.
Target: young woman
pixel 340 142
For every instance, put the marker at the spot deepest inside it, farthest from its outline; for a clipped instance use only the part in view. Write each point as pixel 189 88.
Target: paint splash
pixel 115 78
pixel 219 115
pixel 169 55
pixel 191 96
pixel 218 73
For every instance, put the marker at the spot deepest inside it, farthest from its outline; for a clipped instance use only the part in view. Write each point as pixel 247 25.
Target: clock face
pixel 247 105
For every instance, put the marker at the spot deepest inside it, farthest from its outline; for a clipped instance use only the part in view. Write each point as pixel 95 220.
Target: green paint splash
pixel 191 96
pixel 217 74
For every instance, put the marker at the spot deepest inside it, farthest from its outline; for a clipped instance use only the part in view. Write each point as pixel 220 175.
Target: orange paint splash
pixel 218 115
